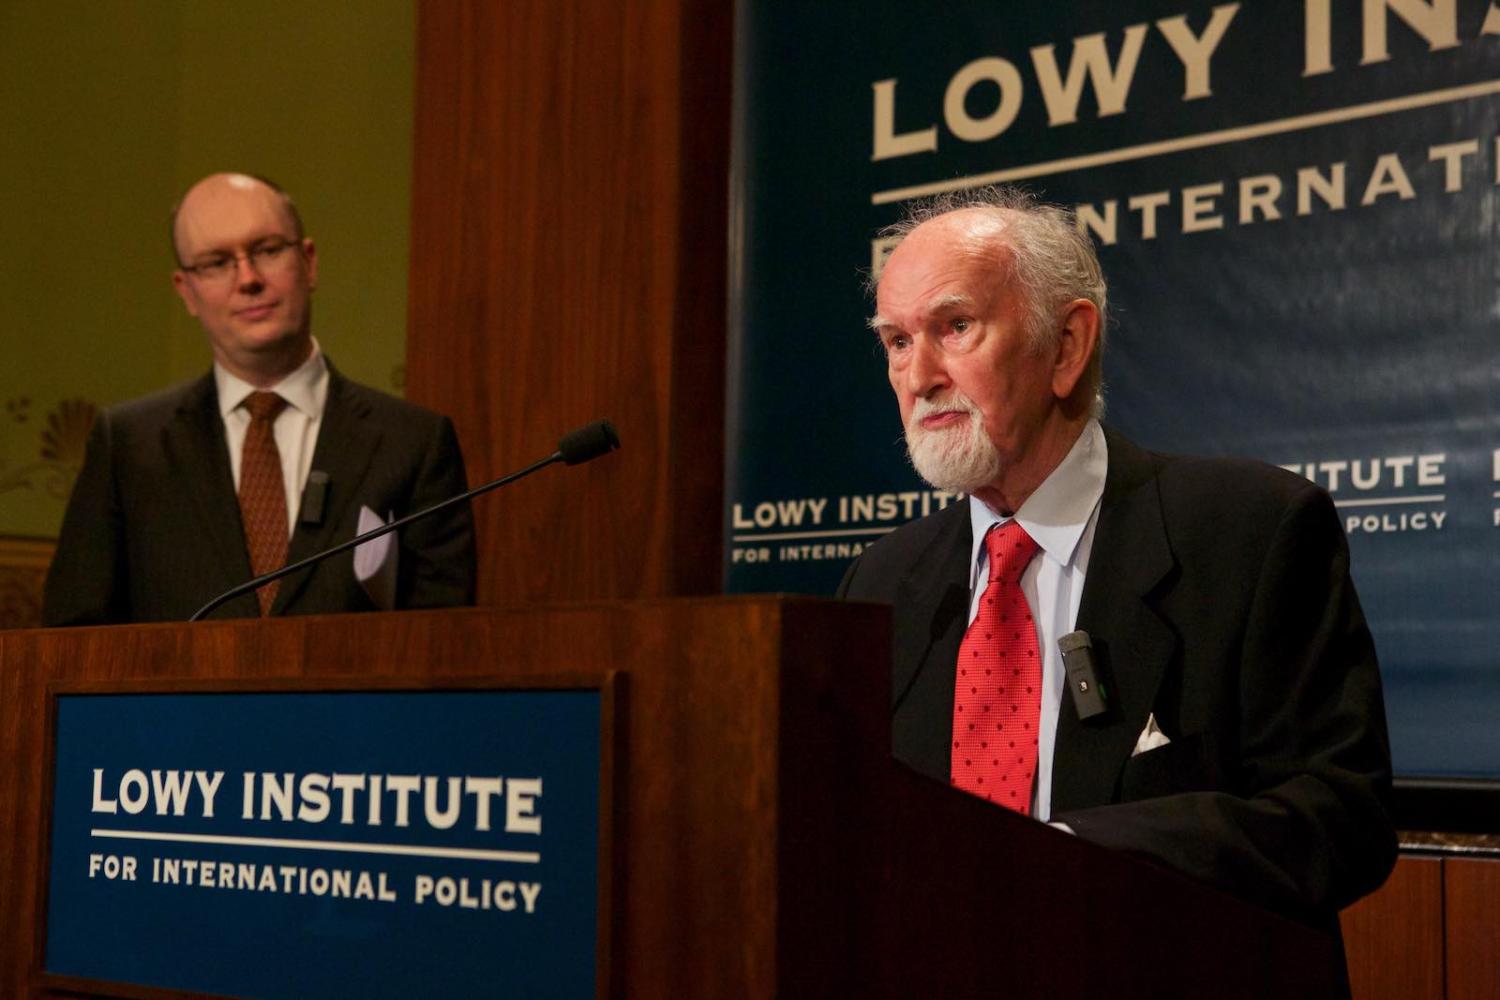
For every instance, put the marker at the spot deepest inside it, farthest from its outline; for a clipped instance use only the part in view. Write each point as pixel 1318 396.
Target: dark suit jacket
pixel 152 531
pixel 1218 597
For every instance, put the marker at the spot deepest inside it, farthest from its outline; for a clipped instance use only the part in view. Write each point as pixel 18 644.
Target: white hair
pixel 1051 260
pixel 957 460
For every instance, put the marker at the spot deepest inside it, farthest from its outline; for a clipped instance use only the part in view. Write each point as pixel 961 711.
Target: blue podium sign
pixel 331 844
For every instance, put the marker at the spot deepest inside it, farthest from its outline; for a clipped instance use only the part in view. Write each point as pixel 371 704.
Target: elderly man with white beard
pixel 1243 738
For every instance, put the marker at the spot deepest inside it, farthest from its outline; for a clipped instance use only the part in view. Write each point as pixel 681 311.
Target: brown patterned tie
pixel 262 493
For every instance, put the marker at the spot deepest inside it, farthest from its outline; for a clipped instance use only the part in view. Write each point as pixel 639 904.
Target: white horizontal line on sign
pixel 351 847
pixel 1222 137
pixel 788 535
pixel 1387 501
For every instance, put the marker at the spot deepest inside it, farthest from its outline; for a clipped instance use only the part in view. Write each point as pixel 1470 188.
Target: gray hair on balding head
pixel 286 202
pixel 1051 260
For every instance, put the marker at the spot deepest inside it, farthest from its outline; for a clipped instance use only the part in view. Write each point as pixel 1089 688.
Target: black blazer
pixel 1218 597
pixel 152 530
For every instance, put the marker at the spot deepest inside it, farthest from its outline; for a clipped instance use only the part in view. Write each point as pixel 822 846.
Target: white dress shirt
pixel 305 391
pixel 1061 516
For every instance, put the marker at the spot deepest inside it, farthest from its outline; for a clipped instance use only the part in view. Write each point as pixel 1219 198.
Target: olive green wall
pixel 109 109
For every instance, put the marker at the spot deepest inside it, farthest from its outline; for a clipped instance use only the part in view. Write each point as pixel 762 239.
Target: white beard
pixel 959 459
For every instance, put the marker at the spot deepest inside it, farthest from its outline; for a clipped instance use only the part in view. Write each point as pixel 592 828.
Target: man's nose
pixel 246 274
pixel 925 372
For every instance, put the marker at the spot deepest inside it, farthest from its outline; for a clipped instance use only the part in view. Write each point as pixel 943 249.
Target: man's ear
pixel 180 284
pixel 1077 340
pixel 310 254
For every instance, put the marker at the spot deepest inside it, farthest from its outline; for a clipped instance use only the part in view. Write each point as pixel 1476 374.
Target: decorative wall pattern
pixel 52 463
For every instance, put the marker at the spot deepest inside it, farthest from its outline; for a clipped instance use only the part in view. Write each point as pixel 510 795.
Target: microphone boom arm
pixel 582 445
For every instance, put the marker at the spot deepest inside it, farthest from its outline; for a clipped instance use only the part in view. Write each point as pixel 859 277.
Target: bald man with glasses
pixel 268 458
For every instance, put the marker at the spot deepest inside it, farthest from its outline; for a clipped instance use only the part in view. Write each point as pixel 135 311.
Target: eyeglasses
pixel 269 256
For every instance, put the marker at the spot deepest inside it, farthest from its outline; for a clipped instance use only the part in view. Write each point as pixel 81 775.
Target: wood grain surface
pixel 1472 910
pixel 569 228
pixel 1394 937
pixel 766 843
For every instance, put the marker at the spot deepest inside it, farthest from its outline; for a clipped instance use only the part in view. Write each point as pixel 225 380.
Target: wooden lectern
pixel 765 842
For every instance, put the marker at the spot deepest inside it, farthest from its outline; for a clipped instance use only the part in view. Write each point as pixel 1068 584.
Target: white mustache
pixel 955 403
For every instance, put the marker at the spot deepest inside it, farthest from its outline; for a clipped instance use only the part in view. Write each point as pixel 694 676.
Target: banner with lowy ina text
pixel 1297 204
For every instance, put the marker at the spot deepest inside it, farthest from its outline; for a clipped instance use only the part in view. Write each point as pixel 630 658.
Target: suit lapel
pixel 193 442
pixel 932 605
pixel 1130 558
pixel 347 443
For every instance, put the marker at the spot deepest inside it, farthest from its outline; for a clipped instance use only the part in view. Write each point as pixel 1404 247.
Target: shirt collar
pixel 300 388
pixel 1058 511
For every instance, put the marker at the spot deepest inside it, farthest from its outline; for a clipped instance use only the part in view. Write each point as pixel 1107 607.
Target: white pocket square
pixel 1151 737
pixel 375 561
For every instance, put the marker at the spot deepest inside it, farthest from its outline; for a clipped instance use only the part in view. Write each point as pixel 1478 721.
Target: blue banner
pixel 328 844
pixel 1297 205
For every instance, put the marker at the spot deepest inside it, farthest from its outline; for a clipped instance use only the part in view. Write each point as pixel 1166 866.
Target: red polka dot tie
pixel 997 692
pixel 262 494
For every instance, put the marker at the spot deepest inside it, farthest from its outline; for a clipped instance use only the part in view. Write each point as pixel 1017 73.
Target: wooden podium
pixel 764 842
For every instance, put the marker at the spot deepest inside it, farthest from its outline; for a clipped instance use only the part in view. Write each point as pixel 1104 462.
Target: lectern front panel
pixel 326 843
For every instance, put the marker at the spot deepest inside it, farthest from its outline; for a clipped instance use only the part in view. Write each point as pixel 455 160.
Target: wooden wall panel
pixel 23 572
pixel 568 263
pixel 1472 908
pixel 1394 938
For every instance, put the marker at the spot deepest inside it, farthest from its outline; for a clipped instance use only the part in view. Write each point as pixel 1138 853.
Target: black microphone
pixel 586 443
pixel 582 445
pixel 1090 696
pixel 314 499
